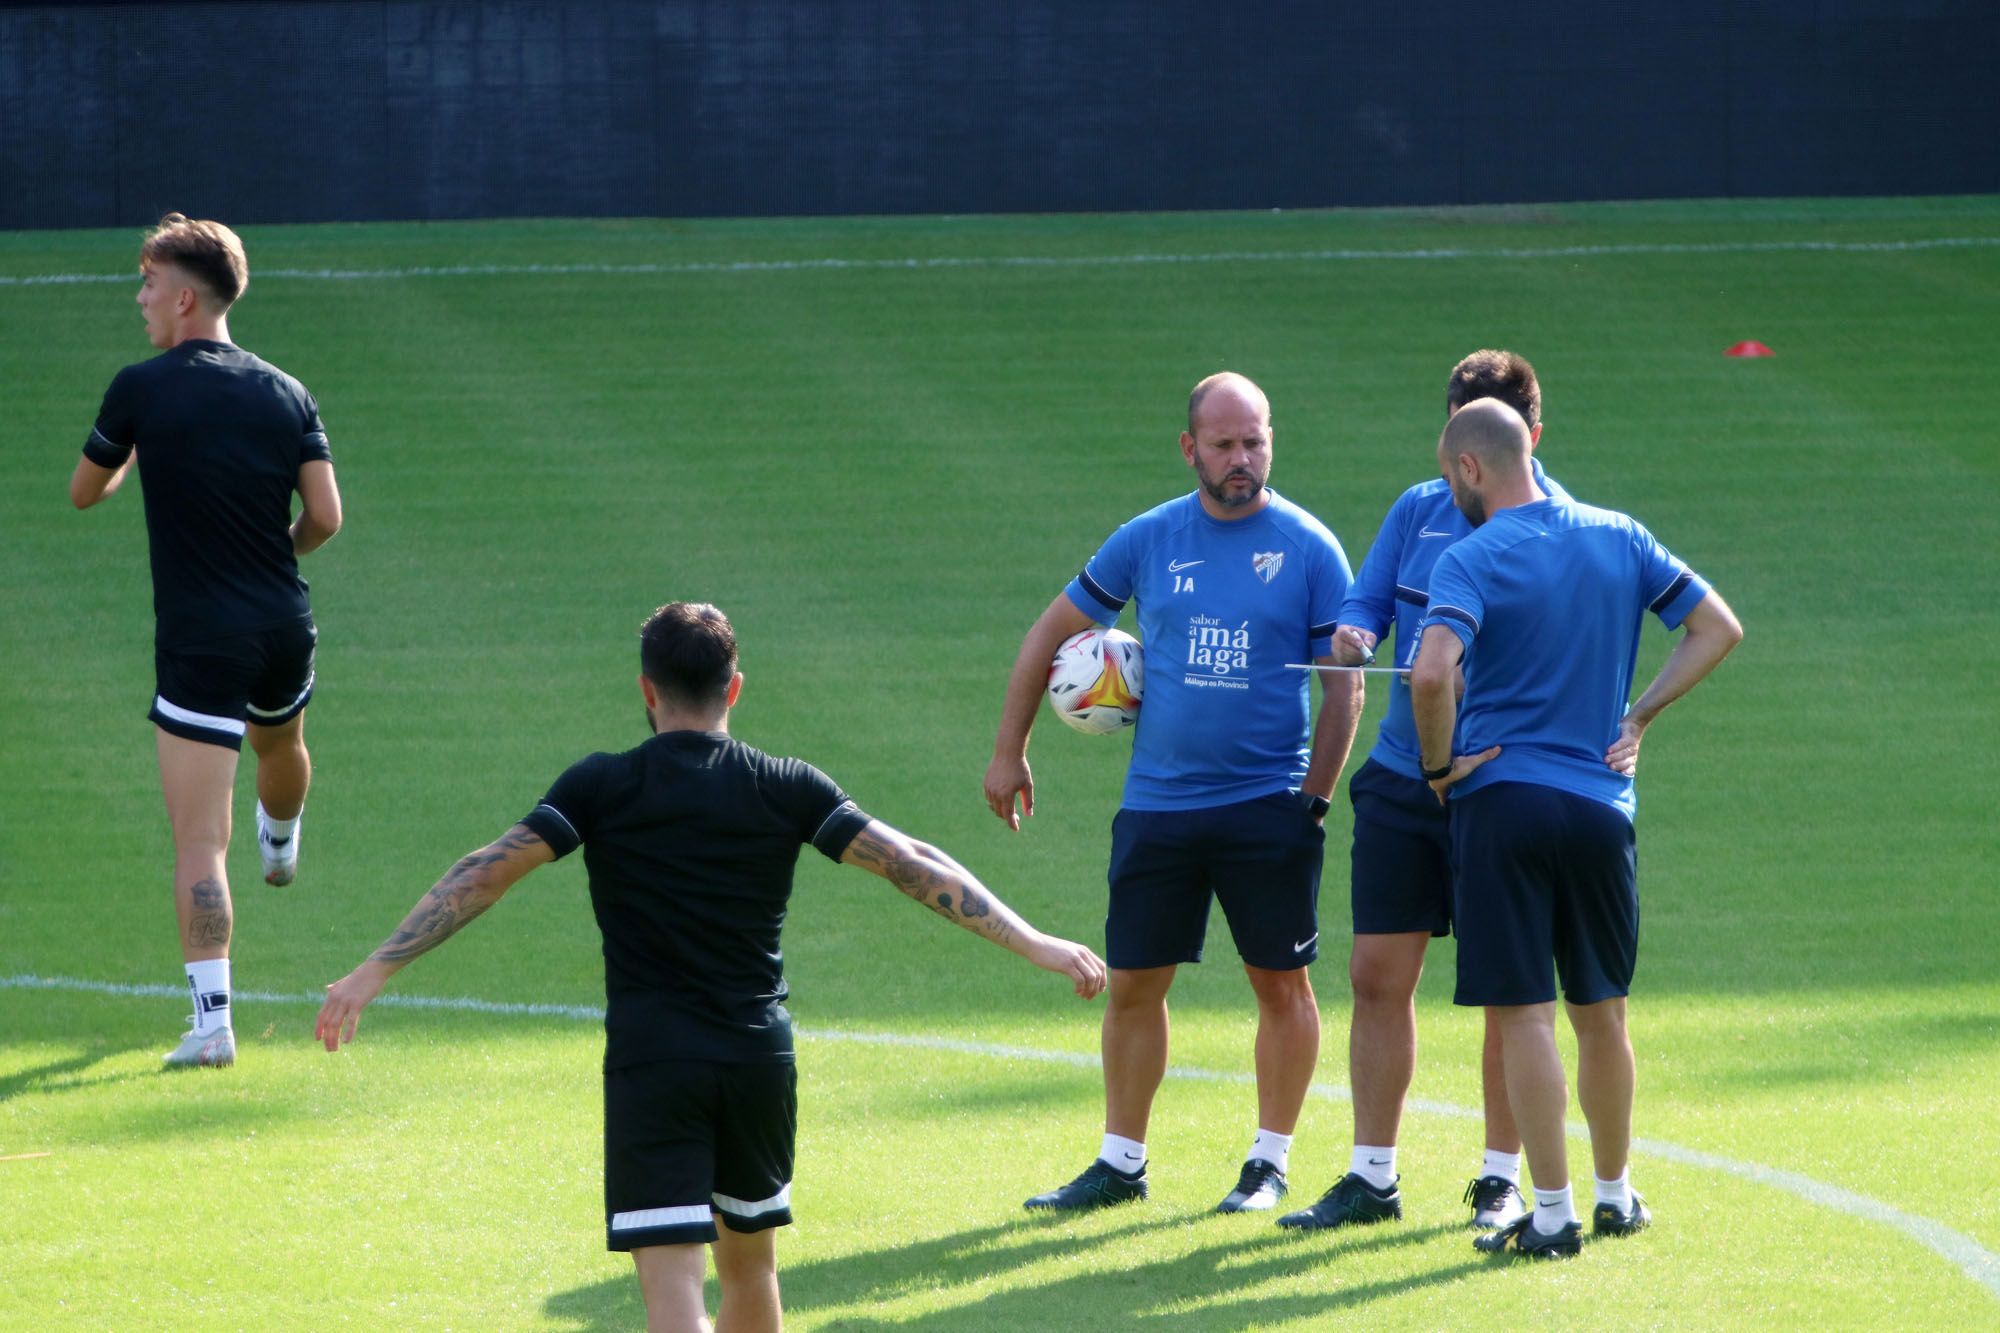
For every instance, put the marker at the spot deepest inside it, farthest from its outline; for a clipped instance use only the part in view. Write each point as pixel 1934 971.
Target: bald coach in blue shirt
pixel 1543 605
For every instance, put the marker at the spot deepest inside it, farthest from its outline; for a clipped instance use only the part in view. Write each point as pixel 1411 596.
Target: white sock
pixel 1128 1155
pixel 1506 1165
pixel 1554 1210
pixel 1273 1148
pixel 208 983
pixel 1377 1166
pixel 1617 1193
pixel 277 830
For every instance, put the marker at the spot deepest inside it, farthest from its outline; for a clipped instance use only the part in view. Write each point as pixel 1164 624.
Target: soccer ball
pixel 1097 679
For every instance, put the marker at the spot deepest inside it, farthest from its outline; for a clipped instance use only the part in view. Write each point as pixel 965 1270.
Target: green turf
pixel 883 472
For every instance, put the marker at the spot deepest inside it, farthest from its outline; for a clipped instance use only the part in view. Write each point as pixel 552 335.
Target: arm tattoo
pixel 929 880
pixel 209 922
pixel 456 900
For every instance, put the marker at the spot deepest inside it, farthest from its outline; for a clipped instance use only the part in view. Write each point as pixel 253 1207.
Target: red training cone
pixel 1752 348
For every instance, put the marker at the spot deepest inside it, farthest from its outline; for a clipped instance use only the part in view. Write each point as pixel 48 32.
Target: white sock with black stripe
pixel 208 983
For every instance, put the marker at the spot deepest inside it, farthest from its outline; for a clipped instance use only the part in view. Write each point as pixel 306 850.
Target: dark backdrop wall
pixel 270 112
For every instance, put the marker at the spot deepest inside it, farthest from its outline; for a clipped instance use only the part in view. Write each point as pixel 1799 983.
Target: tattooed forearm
pixel 466 890
pixel 930 876
pixel 208 919
pixel 434 920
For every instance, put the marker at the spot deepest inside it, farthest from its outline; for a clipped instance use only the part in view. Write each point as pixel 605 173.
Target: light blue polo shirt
pixel 1393 588
pixel 1548 599
pixel 1223 606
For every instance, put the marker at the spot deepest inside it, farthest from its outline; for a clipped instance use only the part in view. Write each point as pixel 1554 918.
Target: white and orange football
pixel 1097 679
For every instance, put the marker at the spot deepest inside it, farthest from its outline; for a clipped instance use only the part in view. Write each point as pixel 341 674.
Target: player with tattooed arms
pixel 690 841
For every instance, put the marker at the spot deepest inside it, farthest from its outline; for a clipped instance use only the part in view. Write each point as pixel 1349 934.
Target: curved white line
pixel 1976 1262
pixel 835 264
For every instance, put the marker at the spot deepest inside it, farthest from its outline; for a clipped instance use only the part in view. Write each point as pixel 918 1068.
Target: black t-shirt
pixel 691 841
pixel 221 436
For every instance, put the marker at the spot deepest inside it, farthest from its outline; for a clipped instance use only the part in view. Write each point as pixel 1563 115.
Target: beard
pixel 1218 489
pixel 1472 506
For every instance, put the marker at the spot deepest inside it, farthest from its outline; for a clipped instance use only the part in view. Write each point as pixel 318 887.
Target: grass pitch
pixel 882 445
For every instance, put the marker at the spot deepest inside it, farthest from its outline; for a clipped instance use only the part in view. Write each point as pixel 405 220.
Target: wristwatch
pixel 1433 774
pixel 1315 805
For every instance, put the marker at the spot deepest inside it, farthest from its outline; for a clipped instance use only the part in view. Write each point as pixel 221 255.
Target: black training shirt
pixel 221 436
pixel 691 841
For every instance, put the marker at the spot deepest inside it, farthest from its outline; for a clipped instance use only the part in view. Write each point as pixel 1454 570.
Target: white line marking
pixel 917 263
pixel 1976 1262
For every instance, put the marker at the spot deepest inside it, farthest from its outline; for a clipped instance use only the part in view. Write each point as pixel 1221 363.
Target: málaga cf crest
pixel 1267 564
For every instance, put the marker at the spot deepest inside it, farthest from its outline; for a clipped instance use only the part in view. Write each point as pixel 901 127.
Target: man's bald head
pixel 1228 444
pixel 1490 431
pixel 1226 389
pixel 1483 453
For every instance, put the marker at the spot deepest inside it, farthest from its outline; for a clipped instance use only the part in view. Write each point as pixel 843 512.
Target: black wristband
pixel 1433 774
pixel 1315 805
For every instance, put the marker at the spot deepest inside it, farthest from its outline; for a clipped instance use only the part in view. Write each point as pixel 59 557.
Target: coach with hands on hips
pixel 1544 603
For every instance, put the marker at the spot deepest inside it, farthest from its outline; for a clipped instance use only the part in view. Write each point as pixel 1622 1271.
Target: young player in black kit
pixel 222 440
pixel 690 841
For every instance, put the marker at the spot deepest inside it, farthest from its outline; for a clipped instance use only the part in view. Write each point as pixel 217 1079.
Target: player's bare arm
pixel 319 510
pixel 471 886
pixel 931 877
pixel 92 482
pixel 1435 684
pixel 1711 633
pixel 1008 779
pixel 1341 697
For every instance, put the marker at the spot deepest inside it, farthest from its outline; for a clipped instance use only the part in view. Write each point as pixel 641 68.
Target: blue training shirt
pixel 1393 588
pixel 1223 606
pixel 1547 599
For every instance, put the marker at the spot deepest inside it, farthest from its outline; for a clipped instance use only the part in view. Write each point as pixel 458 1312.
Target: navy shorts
pixel 687 1141
pixel 1401 879
pixel 1259 858
pixel 207 691
pixel 1545 880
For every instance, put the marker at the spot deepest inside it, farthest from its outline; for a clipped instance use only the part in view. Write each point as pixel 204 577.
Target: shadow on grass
pixel 64 1074
pixel 1116 1293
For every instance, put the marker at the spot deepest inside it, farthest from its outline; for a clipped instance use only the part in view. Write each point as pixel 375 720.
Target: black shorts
pixel 1401 879
pixel 687 1141
pixel 206 691
pixel 1259 858
pixel 1545 879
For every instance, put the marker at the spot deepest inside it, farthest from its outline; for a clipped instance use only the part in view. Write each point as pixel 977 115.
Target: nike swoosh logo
pixel 1133 1157
pixel 1426 532
pixel 1305 943
pixel 1378 1161
pixel 1176 566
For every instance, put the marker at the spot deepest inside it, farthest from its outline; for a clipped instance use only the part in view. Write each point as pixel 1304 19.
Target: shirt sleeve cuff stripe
pixel 1454 614
pixel 1674 589
pixel 1096 589
pixel 564 818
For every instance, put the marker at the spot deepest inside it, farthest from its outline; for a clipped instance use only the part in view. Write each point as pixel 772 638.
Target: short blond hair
pixel 208 252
